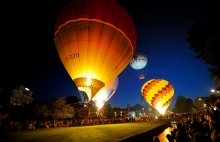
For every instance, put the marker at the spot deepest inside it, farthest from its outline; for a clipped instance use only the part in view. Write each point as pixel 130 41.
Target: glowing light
pixel 99 103
pixel 106 93
pixel 88 81
pixel 161 110
pixel 214 91
pixel 26 89
pixel 167 131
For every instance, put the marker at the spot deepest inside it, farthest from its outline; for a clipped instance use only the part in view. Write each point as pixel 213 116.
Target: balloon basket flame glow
pixel 99 103
pixel 105 93
pixel 88 81
pixel 161 110
pixel 141 77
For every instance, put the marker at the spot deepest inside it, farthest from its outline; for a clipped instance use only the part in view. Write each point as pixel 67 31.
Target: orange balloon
pixel 95 40
pixel 158 93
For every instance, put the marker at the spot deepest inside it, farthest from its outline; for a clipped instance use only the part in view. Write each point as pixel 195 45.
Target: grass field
pixel 95 133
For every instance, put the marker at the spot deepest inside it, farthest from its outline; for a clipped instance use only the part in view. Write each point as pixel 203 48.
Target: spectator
pixel 156 139
pixel 170 138
pixel 199 138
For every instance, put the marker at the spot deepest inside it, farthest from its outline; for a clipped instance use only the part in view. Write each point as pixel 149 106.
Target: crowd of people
pixel 35 124
pixel 197 126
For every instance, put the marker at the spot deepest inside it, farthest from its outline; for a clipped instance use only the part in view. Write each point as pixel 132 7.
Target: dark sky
pixel 29 56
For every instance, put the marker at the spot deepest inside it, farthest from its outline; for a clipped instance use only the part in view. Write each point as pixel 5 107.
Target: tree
pixel 211 98
pixel 109 111
pixel 189 105
pixel 55 109
pixel 60 109
pixel 179 106
pixel 204 39
pixel 183 104
pixel 72 100
pixel 41 109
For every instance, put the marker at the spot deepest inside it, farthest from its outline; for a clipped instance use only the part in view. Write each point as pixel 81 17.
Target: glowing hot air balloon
pixel 95 40
pixel 158 93
pixel 138 63
pixel 105 93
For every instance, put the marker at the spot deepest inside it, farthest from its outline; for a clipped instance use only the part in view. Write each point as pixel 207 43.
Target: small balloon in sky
pixel 158 93
pixel 138 63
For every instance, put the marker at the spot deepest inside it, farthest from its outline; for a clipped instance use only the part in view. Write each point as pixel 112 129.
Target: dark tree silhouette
pixel 204 39
pixel 55 109
pixel 72 100
pixel 183 104
pixel 109 111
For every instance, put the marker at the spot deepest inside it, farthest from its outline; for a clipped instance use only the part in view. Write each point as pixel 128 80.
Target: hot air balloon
pixel 138 63
pixel 95 40
pixel 105 93
pixel 158 93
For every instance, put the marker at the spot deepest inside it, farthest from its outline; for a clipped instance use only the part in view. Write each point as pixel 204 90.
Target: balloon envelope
pixel 95 40
pixel 158 93
pixel 138 63
pixel 106 93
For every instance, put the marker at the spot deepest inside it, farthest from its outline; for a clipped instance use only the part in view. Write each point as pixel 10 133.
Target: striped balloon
pixel 158 93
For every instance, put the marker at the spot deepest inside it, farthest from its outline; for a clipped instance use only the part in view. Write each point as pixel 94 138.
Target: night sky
pixel 29 56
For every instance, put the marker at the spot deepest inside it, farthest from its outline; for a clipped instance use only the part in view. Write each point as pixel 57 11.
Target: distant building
pixel 201 98
pixel 124 112
pixel 16 95
pixel 201 102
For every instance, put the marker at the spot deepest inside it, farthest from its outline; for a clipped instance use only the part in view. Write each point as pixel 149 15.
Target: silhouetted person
pixel 170 138
pixel 199 138
pixel 156 139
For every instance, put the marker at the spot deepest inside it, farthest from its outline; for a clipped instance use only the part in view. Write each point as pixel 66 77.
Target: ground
pixel 98 133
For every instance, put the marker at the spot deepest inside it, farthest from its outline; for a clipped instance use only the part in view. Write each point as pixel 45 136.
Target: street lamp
pixel 212 90
pixel 115 114
pixel 215 91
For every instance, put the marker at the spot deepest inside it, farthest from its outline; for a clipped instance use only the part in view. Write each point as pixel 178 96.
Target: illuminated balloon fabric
pixel 106 93
pixel 139 61
pixel 158 93
pixel 95 40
